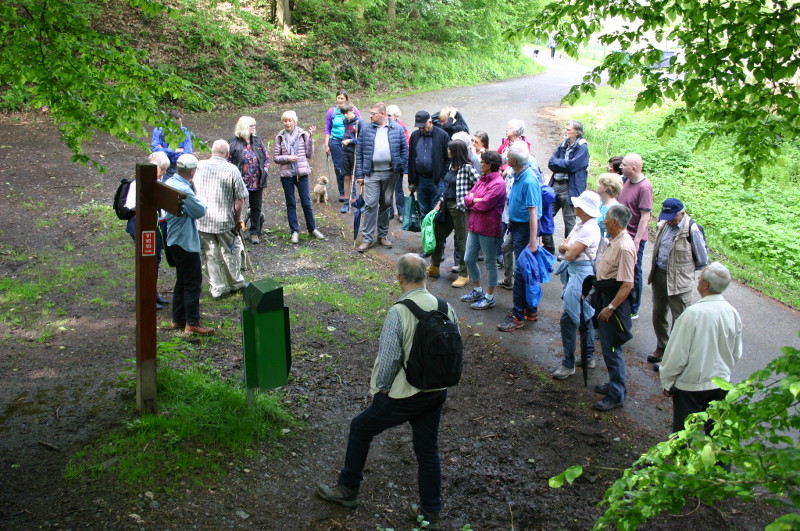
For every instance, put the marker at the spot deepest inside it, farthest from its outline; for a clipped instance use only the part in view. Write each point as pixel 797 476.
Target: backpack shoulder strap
pixel 442 306
pixel 415 309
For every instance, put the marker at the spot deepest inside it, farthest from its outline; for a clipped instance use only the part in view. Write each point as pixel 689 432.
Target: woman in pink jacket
pixel 486 201
pixel 294 148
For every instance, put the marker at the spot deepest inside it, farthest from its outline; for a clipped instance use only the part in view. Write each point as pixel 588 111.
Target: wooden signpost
pixel 151 196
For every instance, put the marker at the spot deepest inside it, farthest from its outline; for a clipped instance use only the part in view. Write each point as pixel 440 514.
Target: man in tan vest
pixel 395 401
pixel 679 251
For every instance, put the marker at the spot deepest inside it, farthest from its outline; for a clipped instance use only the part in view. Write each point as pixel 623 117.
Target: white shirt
pixel 588 234
pixel 705 342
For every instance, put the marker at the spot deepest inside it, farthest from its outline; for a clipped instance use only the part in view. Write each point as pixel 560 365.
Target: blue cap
pixel 670 209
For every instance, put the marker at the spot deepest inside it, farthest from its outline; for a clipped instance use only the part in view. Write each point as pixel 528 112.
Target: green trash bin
pixel 265 336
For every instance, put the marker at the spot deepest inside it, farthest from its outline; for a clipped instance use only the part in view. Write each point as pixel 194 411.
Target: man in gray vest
pixel 680 250
pixel 395 401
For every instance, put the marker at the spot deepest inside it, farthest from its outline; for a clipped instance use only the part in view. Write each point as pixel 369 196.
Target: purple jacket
pixel 305 150
pixel 485 215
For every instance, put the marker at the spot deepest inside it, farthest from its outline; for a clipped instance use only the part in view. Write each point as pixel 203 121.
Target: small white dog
pixel 321 190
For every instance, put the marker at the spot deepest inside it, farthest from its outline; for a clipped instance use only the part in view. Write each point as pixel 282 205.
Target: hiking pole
pixel 247 262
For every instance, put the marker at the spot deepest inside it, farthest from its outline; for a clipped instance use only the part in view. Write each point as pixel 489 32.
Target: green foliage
pixel 734 70
pixel 746 226
pixel 754 431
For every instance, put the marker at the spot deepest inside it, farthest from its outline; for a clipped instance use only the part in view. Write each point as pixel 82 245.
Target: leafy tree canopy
pixel 89 81
pixel 736 65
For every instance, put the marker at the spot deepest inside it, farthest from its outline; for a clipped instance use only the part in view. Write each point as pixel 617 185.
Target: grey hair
pixel 160 159
pixel 412 268
pixel 621 214
pixel 463 136
pixel 577 126
pixel 718 277
pixel 220 147
pixel 519 152
pixel 291 115
pixel 518 126
pixel 243 127
pixel 393 110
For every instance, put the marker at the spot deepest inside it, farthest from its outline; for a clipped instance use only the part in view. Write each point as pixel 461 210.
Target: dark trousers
pixel 520 238
pixel 423 411
pixel 684 403
pixel 399 197
pixel 637 280
pixel 301 183
pixel 188 285
pixel 256 197
pixel 615 363
pixel 335 145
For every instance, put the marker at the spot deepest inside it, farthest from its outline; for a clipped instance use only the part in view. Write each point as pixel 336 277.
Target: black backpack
pixel 437 352
pixel 120 196
pixel 703 232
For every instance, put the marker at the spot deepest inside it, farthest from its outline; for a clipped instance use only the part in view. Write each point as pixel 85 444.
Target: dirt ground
pixel 505 430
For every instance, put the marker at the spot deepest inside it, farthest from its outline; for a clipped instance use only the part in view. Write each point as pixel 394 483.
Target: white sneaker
pixel 295 237
pixel 562 373
pixel 317 234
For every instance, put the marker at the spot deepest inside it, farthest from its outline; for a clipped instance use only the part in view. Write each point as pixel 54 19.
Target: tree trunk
pixel 391 12
pixel 283 16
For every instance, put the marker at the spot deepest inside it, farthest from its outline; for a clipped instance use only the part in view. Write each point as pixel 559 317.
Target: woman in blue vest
pixel 334 133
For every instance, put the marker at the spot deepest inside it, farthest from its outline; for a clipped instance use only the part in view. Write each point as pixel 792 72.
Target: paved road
pixel 767 325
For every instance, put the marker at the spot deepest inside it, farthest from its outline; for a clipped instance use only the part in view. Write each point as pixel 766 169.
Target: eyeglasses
pixel 373 113
pixel 252 125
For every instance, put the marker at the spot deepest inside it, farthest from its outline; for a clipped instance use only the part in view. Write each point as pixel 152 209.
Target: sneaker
pixel 634 316
pixel 338 494
pixel 562 373
pixel 532 316
pixel 460 282
pixel 472 296
pixel 591 363
pixel 431 519
pixel 254 239
pixel 510 323
pixel 161 300
pixel 606 404
pixel 602 389
pixel 455 269
pixel 345 209
pixel 507 285
pixel 317 234
pixel 295 237
pixel 433 271
pixel 483 304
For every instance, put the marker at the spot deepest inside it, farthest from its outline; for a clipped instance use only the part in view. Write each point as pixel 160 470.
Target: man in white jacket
pixel 706 342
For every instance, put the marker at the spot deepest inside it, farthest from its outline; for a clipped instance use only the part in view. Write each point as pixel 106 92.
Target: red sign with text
pixel 148 243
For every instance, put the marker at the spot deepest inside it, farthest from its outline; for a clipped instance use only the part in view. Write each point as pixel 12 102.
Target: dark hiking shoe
pixel 338 494
pixel 656 356
pixel 510 323
pixel 606 404
pixel 602 389
pixel 432 519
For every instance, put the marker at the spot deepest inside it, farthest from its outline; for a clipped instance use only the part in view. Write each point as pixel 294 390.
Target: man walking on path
pixel 159 143
pixel 680 250
pixel 183 244
pixel 637 195
pixel 395 401
pixel 614 283
pixel 382 158
pixel 706 342
pixel 524 210
pixel 220 186
pixel 427 161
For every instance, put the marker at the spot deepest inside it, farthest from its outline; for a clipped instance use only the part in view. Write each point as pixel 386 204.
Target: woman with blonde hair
pixel 609 185
pixel 294 147
pixel 250 155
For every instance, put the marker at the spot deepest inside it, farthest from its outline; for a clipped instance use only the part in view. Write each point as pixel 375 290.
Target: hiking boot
pixel 656 356
pixel 198 330
pixel 509 285
pixel 472 296
pixel 562 373
pixel 385 242
pixel 483 304
pixel 364 247
pixel 531 316
pixel 510 323
pixel 460 282
pixel 606 404
pixel 338 494
pixel 455 269
pixel 295 237
pixel 602 389
pixel 160 299
pixel 317 234
pixel 175 326
pixel 432 519
pixel 254 239
pixel 433 271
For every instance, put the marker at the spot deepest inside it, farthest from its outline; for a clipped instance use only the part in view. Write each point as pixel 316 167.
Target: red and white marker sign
pixel 148 243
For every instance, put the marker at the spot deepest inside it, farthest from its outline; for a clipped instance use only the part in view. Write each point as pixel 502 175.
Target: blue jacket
pixel 366 145
pixel 182 230
pixel 575 166
pixel 535 270
pixel 159 143
pixel 546 223
pixel 439 155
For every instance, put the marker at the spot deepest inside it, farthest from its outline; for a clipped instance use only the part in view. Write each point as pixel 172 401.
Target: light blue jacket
pixel 182 231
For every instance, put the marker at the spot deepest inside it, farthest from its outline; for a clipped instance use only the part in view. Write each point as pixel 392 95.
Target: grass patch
pixel 203 422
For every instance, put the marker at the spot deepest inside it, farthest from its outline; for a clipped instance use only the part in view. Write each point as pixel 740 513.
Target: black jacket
pixel 236 156
pixel 439 155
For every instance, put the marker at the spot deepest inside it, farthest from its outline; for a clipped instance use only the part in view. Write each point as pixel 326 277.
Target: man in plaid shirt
pixel 220 186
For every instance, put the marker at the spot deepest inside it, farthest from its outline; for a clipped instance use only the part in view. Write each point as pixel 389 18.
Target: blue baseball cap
pixel 670 209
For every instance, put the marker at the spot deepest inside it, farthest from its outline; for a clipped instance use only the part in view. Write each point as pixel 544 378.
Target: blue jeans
pixel 427 195
pixel 476 243
pixel 637 281
pixel 399 198
pixel 301 183
pixel 615 363
pixel 423 411
pixel 569 331
pixel 335 145
pixel 520 238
